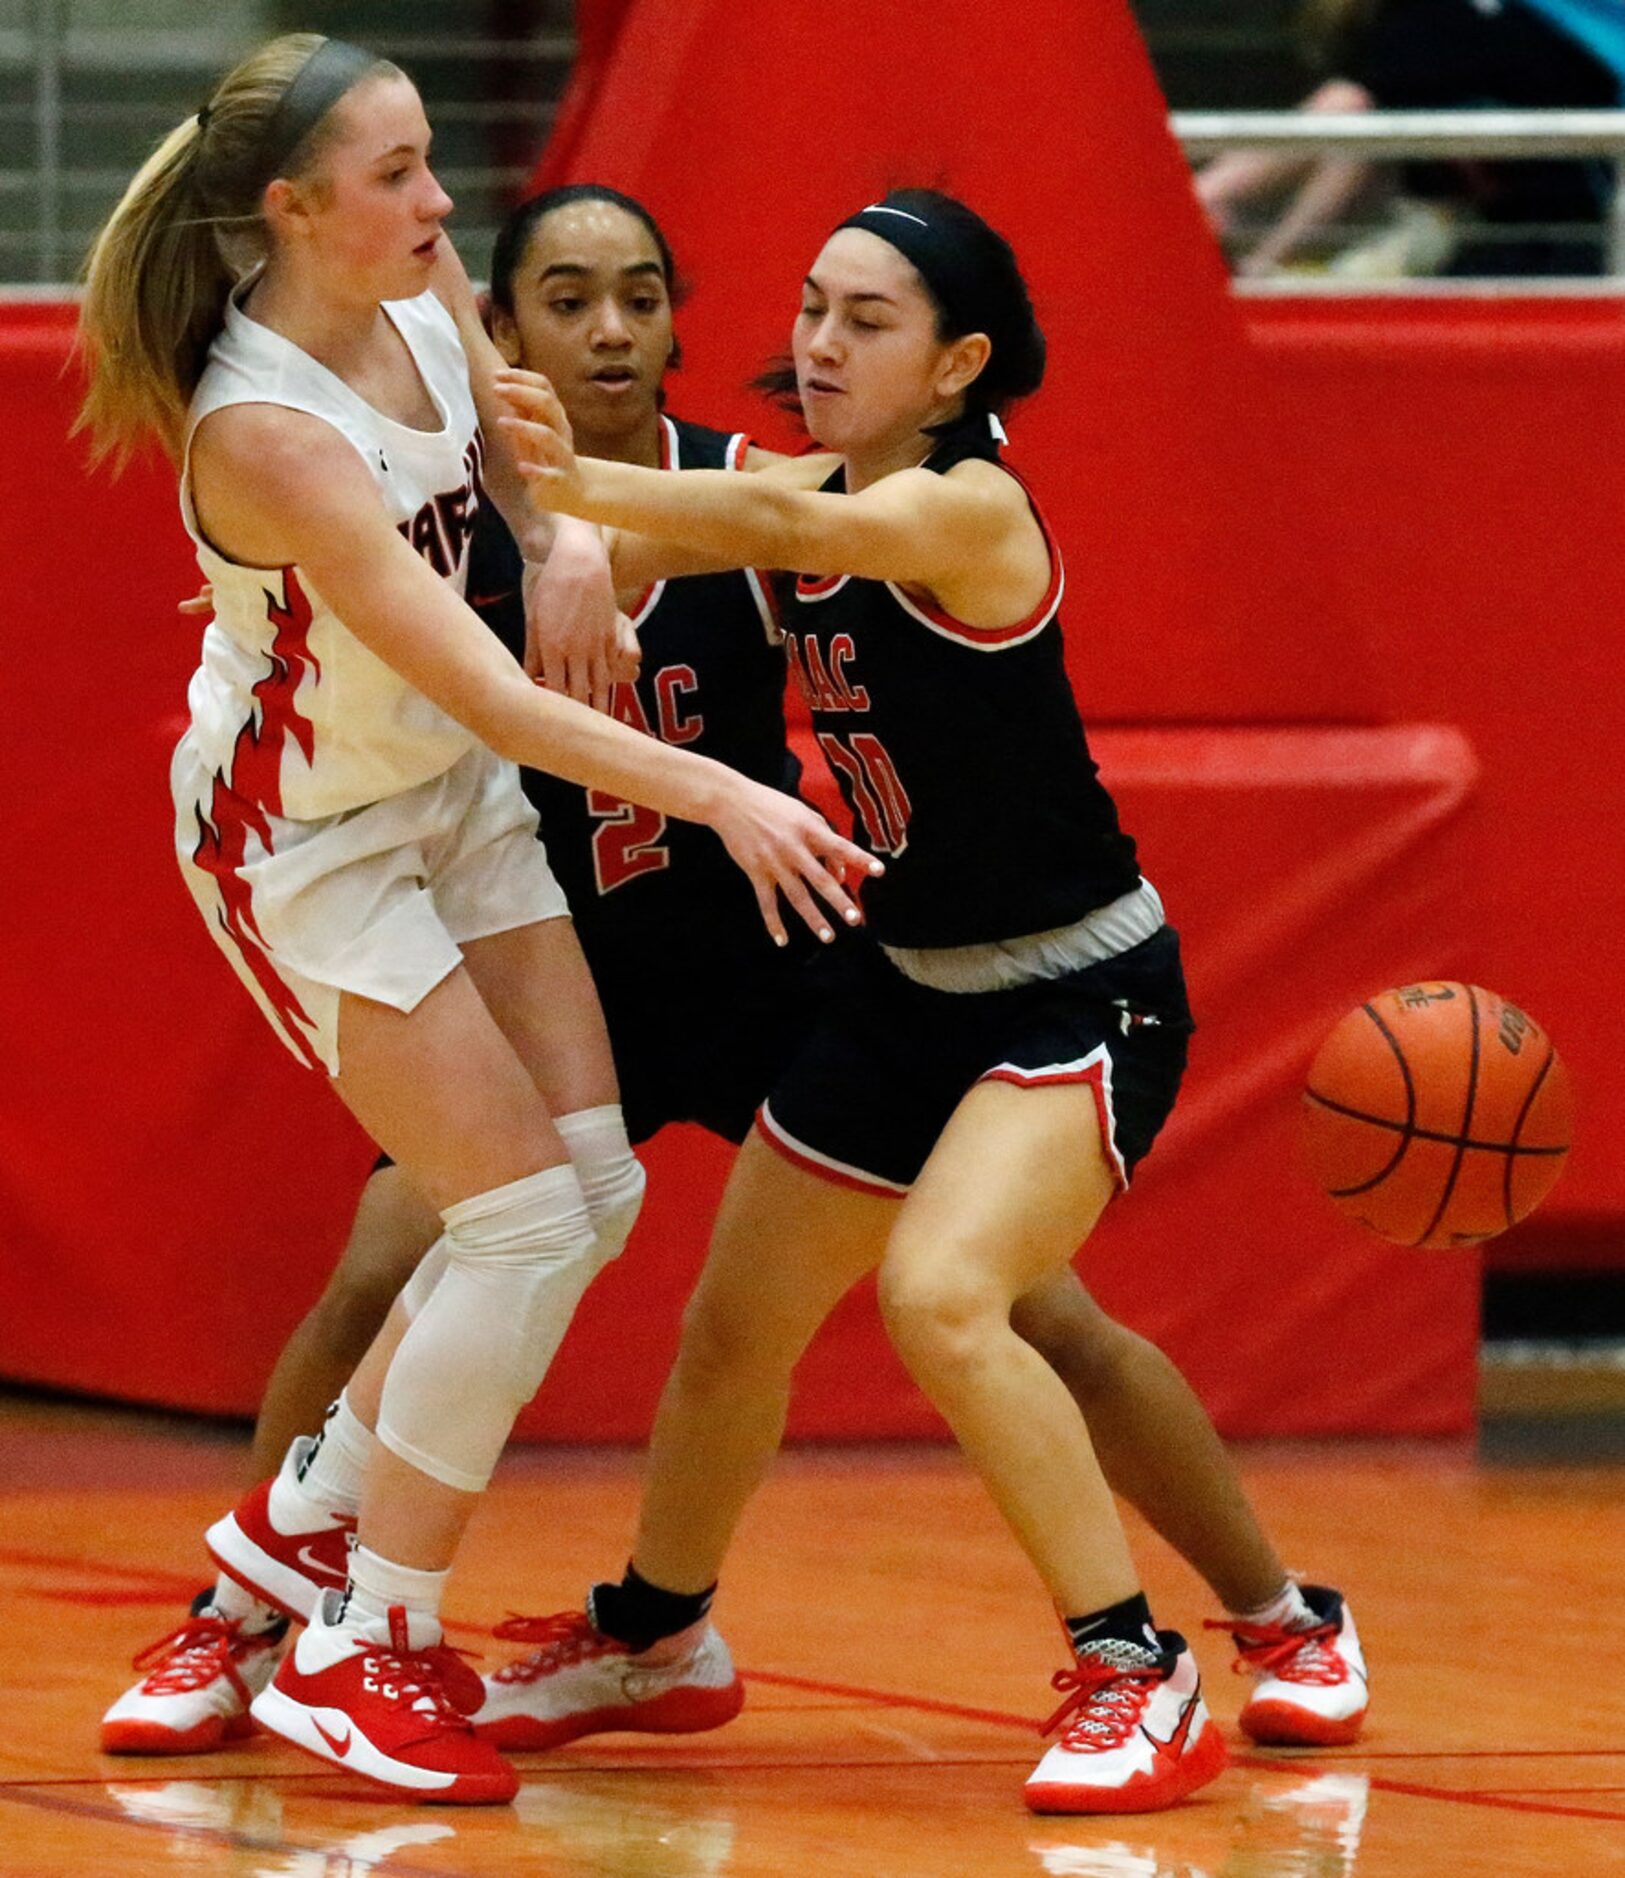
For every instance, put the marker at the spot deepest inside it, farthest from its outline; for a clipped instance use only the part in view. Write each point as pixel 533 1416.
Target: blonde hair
pixel 187 230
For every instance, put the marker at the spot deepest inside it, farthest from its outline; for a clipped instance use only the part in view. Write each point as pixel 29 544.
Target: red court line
pixel 96 1568
pixel 1549 1790
pixel 111 1600
pixel 1495 1800
pixel 1366 1754
pixel 880 1698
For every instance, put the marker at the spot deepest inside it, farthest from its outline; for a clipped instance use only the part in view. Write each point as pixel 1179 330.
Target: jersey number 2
pixel 629 840
pixel 877 789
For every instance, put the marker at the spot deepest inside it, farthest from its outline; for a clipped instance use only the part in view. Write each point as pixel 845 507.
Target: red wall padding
pixel 1341 596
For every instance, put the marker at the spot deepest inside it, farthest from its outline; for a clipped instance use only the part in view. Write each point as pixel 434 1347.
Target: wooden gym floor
pixel 897 1655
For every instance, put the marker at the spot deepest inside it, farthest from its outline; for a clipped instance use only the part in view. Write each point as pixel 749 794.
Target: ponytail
pixel 188 229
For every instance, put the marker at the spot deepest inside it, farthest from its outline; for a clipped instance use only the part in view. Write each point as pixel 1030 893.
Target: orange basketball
pixel 1437 1115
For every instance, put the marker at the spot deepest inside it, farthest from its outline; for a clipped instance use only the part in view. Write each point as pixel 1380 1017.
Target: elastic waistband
pixel 1002 964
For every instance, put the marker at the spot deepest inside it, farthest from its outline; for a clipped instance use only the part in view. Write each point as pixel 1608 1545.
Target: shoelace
pixel 1290 1655
pixel 460 1683
pixel 414 1682
pixel 1106 1700
pixel 564 1638
pixel 191 1657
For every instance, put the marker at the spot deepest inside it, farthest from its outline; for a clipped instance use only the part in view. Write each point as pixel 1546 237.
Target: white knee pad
pixel 611 1175
pixel 517 1260
pixel 612 1184
pixel 415 1292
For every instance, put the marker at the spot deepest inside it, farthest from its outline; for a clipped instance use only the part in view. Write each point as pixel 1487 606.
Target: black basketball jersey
pixel 960 753
pixel 712 681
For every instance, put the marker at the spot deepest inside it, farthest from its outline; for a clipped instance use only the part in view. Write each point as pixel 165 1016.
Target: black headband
pixel 936 256
pixel 318 85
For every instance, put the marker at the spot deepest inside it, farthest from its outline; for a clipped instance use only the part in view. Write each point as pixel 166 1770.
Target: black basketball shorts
pixel 888 1061
pixel 704 1040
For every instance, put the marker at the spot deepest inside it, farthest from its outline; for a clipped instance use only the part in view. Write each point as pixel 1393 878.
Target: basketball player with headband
pixel 985 1081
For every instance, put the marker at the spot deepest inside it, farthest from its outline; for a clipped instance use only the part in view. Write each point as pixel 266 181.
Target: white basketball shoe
pixel 1137 1734
pixel 579 1682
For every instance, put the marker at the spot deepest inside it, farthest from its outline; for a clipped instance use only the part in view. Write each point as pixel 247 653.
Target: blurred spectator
pixel 1464 217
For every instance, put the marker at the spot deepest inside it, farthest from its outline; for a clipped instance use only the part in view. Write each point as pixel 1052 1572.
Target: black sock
pixel 1128 1622
pixel 204 1601
pixel 638 1614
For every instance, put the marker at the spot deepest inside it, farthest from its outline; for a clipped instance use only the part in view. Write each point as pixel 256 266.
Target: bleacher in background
pixel 87 87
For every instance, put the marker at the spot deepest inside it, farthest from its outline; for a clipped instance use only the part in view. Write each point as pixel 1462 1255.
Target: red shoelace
pixel 191 1657
pixel 1106 1703
pixel 1289 1655
pixel 564 1638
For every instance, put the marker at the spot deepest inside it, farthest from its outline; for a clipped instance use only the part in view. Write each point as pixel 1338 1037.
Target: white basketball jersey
pixel 289 708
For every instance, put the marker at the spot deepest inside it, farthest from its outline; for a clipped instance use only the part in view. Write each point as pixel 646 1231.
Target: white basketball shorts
pixel 375 901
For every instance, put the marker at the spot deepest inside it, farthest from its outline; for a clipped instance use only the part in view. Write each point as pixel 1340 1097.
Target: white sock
pixel 378 1583
pixel 241 1607
pixel 336 1466
pixel 1288 1610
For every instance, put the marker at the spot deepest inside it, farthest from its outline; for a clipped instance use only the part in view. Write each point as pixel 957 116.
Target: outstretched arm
pixel 968 537
pixel 638 561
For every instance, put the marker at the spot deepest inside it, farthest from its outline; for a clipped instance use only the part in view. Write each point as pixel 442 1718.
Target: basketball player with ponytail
pixel 985 1080
pixel 349 820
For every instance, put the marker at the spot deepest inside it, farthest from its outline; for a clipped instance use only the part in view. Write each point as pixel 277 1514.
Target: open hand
pixel 786 848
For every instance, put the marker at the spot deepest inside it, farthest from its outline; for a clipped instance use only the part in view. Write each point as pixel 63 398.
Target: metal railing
pixel 73 126
pixel 1409 135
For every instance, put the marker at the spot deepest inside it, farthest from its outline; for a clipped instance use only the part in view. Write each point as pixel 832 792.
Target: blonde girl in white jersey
pixel 349 818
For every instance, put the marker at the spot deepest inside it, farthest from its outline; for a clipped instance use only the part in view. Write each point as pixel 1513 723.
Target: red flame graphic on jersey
pixel 251 790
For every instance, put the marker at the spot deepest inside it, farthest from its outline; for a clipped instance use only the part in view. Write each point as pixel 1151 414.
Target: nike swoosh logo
pixel 1171 1749
pixel 340 1748
pixel 308 1558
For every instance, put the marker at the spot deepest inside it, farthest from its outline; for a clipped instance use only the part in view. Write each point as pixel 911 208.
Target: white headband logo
pixel 880 208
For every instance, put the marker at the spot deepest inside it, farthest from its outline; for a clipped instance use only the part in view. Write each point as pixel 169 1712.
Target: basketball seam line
pixel 1466 1127
pixel 1365 1186
pixel 1426 1134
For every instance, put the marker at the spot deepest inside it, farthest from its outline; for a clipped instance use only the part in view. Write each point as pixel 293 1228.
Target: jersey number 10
pixel 873 787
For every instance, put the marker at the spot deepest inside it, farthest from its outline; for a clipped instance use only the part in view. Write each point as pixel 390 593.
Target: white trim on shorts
pixel 825 1166
pixel 1094 1069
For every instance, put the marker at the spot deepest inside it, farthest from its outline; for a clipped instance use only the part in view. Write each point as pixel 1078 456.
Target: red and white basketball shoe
pixel 1138 1736
pixel 580 1682
pixel 1310 1686
pixel 287 1565
pixel 198 1684
pixel 379 1707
